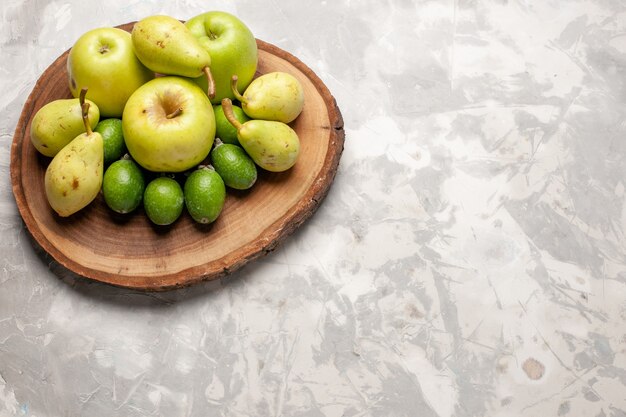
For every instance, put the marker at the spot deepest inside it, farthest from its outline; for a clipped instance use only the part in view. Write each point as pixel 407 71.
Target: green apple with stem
pixel 232 47
pixel 103 61
pixel 168 124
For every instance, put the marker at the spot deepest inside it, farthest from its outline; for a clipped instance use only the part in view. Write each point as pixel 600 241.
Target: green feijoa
pixel 113 138
pixel 123 186
pixel 205 194
pixel 223 128
pixel 234 165
pixel 163 201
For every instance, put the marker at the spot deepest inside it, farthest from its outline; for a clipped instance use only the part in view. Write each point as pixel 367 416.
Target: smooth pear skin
pixel 169 145
pixel 274 146
pixel 103 61
pixel 74 177
pixel 277 96
pixel 167 46
pixel 57 123
pixel 232 47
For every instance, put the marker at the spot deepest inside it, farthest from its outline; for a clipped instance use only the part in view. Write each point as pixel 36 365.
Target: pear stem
pixel 227 107
pixel 233 86
pixel 210 82
pixel 85 107
pixel 175 113
pixel 82 96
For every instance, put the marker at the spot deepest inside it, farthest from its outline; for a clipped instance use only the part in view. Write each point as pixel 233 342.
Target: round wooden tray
pixel 128 251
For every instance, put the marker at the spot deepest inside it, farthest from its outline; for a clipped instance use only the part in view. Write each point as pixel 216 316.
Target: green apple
pixel 232 47
pixel 103 61
pixel 168 124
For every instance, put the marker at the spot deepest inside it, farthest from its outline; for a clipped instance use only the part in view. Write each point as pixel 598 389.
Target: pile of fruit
pixel 153 121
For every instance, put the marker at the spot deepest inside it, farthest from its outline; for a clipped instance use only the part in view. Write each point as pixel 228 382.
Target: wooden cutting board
pixel 129 251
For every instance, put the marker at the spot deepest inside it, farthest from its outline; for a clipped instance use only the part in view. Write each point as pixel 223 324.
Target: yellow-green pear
pixel 272 145
pixel 275 96
pixel 166 46
pixel 74 177
pixel 58 122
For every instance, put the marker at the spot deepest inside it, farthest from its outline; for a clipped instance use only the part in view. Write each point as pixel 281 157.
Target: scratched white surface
pixel 470 259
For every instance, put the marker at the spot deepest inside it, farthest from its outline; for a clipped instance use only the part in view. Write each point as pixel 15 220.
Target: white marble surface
pixel 470 259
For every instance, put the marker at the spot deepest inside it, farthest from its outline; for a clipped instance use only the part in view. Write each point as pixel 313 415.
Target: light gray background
pixel 470 259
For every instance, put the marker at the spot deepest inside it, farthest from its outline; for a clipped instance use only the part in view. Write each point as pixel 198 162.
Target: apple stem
pixel 210 82
pixel 227 107
pixel 175 113
pixel 233 86
pixel 85 108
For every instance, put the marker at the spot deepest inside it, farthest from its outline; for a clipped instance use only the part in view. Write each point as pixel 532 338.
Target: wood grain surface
pixel 128 251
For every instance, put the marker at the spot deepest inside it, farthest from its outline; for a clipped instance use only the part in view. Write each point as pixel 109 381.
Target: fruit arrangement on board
pixel 167 117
